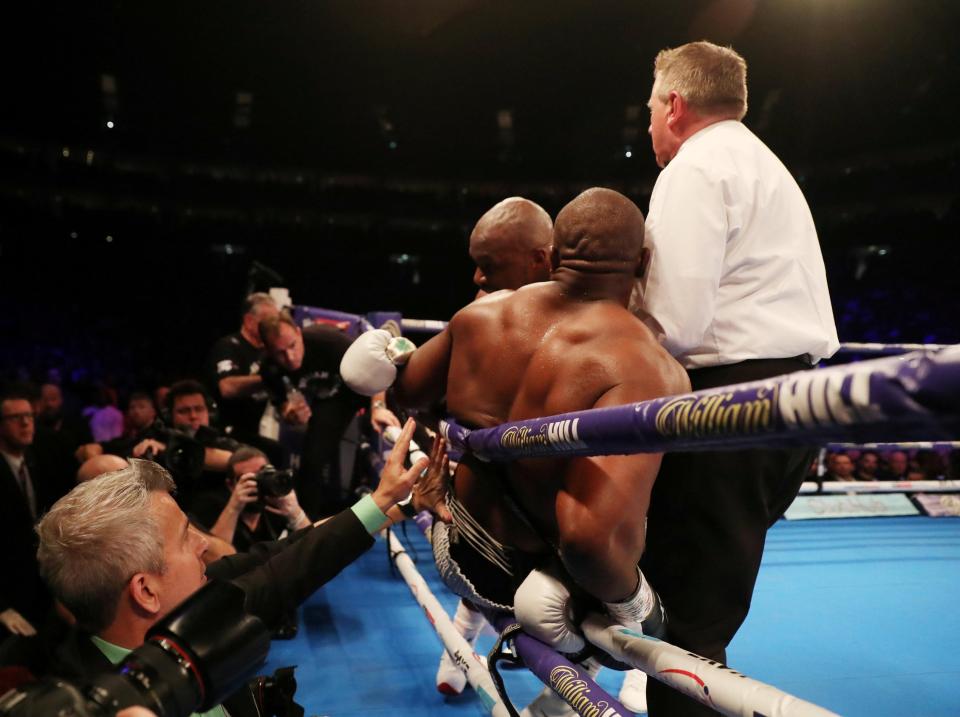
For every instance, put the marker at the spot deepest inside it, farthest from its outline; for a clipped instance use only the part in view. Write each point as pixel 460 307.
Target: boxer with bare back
pixel 557 346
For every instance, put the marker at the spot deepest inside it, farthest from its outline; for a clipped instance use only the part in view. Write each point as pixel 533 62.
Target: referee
pixel 736 290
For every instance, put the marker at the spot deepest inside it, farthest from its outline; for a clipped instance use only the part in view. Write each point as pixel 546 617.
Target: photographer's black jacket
pixel 276 577
pixel 230 356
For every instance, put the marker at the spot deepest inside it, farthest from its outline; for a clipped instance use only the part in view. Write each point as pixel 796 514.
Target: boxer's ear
pixel 642 264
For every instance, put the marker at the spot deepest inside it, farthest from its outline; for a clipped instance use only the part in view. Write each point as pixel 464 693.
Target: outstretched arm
pixel 423 381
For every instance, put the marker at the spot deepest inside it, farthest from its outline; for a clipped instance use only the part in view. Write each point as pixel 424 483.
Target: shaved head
pixel 515 222
pixel 601 229
pixel 98 465
pixel 511 245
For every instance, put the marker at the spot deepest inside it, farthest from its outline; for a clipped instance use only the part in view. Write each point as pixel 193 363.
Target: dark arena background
pixel 161 160
pixel 150 153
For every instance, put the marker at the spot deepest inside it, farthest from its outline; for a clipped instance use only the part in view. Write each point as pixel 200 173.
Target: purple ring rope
pixel 568 680
pixel 913 397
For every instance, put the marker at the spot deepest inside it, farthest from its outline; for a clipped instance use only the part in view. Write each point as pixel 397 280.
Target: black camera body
pixel 193 659
pixel 273 483
pixel 183 457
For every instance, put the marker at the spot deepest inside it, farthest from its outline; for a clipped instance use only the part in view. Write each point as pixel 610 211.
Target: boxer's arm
pixel 423 382
pixel 612 492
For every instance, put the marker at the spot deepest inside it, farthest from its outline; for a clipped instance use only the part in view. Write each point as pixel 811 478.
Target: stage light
pixel 109 124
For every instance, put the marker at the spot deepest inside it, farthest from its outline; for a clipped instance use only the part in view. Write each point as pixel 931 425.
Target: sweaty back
pixel 552 354
pixel 537 352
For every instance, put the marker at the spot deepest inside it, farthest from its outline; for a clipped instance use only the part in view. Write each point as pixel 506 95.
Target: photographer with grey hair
pixel 120 554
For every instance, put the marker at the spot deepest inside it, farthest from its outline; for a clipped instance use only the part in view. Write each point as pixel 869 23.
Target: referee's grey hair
pixel 711 78
pixel 100 535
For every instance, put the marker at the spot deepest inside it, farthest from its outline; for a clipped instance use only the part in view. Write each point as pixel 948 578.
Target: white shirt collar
pixel 703 131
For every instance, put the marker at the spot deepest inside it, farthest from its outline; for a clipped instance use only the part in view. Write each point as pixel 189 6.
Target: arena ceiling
pixel 469 87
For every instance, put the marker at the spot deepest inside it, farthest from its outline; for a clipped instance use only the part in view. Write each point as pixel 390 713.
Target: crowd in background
pixel 911 464
pixel 264 438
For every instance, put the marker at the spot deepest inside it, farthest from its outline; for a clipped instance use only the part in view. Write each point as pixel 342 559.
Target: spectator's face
pixel 867 463
pixel 286 348
pixel 898 462
pixel 841 466
pixel 190 412
pixel 51 400
pixel 140 413
pixel 183 568
pixel 16 424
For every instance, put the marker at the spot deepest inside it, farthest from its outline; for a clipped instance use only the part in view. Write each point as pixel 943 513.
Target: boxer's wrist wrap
pixel 634 610
pixel 406 506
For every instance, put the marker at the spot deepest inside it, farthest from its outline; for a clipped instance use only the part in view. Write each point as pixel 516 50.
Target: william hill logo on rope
pixel 559 435
pixel 570 685
pixel 717 414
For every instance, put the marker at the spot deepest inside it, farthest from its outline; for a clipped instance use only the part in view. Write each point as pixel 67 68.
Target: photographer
pixel 233 370
pixel 120 554
pixel 242 514
pixel 303 375
pixel 188 413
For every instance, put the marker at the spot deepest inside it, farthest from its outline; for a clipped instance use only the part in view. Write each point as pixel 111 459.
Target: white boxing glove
pixel 543 606
pixel 370 364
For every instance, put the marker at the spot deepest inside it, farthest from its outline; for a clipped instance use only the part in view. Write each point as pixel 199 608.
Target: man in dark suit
pixel 120 554
pixel 26 491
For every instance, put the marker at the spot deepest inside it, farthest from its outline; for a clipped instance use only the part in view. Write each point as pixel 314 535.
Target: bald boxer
pixel 571 345
pixel 510 246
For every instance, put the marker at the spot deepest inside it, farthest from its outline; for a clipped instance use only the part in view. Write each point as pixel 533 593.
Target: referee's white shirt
pixel 735 270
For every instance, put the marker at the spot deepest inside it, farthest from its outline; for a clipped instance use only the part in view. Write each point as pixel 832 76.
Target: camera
pixel 191 661
pixel 183 457
pixel 273 483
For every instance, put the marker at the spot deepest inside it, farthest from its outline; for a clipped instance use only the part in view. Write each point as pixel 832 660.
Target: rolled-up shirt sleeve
pixel 687 231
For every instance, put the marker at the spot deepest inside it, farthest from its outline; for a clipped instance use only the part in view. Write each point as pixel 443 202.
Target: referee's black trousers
pixel 706 527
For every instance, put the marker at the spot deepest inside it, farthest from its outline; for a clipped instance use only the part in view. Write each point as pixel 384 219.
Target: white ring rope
pixel 851 347
pixel 882 486
pixel 715 685
pixel 453 642
pixel 710 683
